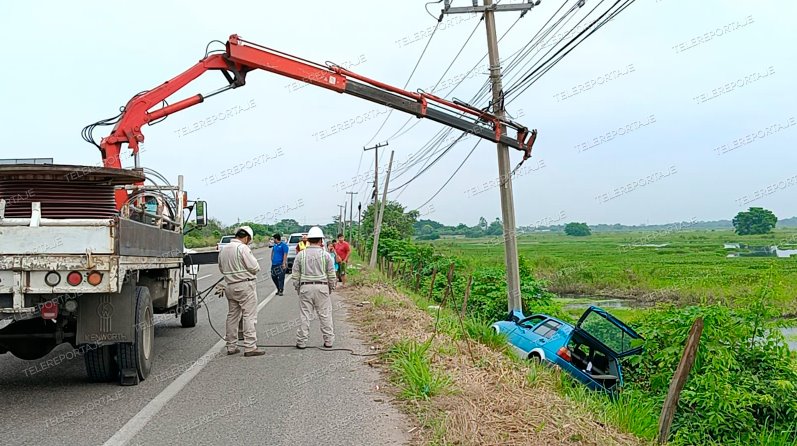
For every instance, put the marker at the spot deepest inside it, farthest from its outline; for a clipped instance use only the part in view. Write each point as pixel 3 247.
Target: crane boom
pixel 241 56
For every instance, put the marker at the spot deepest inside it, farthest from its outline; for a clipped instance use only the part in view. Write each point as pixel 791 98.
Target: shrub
pixel 743 379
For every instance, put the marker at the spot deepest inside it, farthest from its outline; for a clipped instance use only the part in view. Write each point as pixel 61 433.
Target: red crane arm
pixel 241 56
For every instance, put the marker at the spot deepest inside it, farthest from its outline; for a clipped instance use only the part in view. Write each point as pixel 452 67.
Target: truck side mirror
pixel 201 214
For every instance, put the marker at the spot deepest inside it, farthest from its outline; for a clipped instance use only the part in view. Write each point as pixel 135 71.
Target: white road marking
pixel 204 277
pixel 140 420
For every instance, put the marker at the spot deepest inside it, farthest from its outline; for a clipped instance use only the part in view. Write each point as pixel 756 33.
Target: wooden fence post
pixel 431 286
pixel 389 269
pixel 678 381
pixel 467 295
pixel 418 277
pixel 449 277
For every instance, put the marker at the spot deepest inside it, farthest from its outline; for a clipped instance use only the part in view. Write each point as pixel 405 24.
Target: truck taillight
pixel 564 353
pixel 94 278
pixel 50 310
pixel 74 278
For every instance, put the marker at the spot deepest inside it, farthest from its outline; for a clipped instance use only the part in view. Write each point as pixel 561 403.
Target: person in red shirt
pixel 343 250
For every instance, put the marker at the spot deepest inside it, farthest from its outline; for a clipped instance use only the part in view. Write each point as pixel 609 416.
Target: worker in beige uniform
pixel 240 267
pixel 314 280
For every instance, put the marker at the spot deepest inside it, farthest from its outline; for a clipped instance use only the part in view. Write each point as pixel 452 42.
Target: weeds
pixel 413 371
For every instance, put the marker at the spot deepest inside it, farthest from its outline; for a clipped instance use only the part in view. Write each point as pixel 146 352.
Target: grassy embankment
pixel 463 386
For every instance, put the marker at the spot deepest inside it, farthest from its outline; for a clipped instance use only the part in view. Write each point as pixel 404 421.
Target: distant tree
pixel 483 223
pixel 495 228
pixel 754 221
pixel 577 229
pixel 396 224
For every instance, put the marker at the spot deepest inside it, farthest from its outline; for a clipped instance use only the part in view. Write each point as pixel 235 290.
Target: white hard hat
pixel 315 232
pixel 246 229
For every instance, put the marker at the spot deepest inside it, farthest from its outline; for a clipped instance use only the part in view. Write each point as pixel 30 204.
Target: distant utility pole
pixel 504 168
pixel 340 217
pixel 359 224
pixel 376 167
pixel 378 221
pixel 351 214
pixel 345 208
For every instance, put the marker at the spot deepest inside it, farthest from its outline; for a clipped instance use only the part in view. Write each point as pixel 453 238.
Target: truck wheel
pixel 189 316
pixel 100 363
pixel 138 355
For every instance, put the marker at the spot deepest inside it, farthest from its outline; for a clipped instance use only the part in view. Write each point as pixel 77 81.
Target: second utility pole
pixel 376 169
pixel 381 214
pixel 504 168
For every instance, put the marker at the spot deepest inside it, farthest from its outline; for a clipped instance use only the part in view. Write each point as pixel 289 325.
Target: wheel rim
pixel 148 332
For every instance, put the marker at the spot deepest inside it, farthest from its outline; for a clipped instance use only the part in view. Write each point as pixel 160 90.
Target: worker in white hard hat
pixel 240 267
pixel 314 280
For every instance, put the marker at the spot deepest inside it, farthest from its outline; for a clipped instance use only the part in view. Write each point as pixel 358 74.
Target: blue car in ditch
pixel 591 351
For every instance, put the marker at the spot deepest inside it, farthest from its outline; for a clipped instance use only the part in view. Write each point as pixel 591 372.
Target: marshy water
pixel 743 250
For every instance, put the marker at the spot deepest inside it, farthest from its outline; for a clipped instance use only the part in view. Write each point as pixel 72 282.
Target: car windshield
pixel 295 239
pixel 607 332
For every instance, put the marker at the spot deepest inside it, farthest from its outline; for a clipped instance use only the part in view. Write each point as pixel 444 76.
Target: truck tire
pixel 100 363
pixel 138 355
pixel 189 315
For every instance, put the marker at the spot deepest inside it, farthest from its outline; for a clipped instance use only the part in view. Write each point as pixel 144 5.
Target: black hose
pixel 323 349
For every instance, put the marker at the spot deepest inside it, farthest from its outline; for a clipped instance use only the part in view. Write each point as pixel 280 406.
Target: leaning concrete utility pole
pixel 378 220
pixel 504 168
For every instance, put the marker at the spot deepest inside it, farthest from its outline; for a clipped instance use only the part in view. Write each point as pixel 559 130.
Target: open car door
pixel 618 337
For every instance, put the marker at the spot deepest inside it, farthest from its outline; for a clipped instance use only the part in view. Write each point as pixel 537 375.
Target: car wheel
pixel 535 358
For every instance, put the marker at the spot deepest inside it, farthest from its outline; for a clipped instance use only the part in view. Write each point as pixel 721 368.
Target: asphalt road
pixel 198 395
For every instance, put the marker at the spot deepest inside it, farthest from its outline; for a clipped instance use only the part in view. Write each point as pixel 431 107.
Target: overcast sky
pixel 68 64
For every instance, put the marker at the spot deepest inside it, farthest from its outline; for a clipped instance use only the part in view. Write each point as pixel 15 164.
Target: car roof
pixel 547 316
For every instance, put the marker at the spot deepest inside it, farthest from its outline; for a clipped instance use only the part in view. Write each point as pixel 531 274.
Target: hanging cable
pixel 408 81
pixel 532 76
pixel 462 48
pixel 452 175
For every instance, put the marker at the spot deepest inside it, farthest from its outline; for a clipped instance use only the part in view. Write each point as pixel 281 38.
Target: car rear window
pixel 227 239
pixel 295 239
pixel 608 333
pixel 548 328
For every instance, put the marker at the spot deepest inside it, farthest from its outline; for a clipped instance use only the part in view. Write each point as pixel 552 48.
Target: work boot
pixel 327 345
pixel 234 352
pixel 255 353
pixel 301 346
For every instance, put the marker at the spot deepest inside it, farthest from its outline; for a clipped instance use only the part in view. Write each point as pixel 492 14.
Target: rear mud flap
pixel 105 319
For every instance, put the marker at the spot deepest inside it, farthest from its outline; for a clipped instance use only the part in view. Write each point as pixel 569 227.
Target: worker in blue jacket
pixel 279 263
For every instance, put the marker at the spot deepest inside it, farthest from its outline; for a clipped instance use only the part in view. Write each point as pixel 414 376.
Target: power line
pixel 408 80
pixel 452 175
pixel 464 77
pixel 543 68
pixel 462 48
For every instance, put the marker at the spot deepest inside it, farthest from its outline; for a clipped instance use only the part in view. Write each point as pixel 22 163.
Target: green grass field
pixel 693 267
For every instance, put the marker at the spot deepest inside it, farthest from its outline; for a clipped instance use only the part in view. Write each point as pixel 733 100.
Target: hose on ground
pixel 203 295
